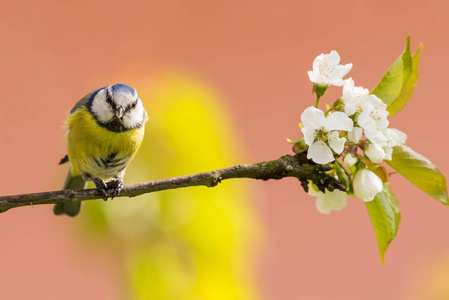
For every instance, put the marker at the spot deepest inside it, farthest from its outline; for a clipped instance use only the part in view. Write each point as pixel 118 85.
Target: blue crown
pixel 123 88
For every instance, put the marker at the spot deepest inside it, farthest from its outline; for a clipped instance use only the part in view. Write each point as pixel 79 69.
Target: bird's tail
pixel 71 208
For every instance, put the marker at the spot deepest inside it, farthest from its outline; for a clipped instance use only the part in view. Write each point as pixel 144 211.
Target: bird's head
pixel 117 107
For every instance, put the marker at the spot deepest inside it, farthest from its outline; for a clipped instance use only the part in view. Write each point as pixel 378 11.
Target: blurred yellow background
pixel 224 83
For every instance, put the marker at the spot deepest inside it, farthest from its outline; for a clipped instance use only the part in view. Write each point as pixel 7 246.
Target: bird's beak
pixel 119 112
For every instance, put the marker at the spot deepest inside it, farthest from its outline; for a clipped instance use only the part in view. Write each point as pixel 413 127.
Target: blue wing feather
pixel 88 98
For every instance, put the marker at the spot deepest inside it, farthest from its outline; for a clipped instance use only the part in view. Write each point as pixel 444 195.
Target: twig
pixel 287 166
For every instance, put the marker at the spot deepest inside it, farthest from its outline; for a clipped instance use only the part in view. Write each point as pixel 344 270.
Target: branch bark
pixel 286 166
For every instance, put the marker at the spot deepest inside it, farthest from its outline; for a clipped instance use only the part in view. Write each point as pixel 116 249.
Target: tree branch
pixel 287 166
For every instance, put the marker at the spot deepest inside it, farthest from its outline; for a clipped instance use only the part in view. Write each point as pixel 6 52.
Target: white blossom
pixel 366 185
pixel 328 201
pixel 373 114
pixel 327 70
pixel 394 138
pixel 352 96
pixel 321 134
pixel 370 113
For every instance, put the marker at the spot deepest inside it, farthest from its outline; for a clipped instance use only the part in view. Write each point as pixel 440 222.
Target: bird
pixel 104 131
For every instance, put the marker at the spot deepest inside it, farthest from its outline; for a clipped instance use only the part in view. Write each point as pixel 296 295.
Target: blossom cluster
pixel 353 134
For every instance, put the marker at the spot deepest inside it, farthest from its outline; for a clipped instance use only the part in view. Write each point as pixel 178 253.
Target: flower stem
pixel 317 100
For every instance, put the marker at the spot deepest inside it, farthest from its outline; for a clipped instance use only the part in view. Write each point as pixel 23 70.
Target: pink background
pixel 256 54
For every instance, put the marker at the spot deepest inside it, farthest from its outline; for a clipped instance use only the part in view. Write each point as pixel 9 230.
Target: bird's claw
pixel 117 185
pixel 101 187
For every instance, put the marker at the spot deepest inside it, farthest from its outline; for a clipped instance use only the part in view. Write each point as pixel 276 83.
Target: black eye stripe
pixel 131 106
pixel 109 99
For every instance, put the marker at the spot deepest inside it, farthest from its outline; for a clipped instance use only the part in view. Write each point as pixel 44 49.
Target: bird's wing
pixel 80 104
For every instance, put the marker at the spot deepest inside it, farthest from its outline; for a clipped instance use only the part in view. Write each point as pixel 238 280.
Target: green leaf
pixel 408 87
pixel 420 171
pixel 385 217
pixel 342 174
pixel 398 84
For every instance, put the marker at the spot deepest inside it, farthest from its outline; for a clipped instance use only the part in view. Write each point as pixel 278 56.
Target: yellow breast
pixel 97 151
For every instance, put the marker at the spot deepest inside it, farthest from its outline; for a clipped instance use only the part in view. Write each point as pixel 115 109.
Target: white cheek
pixel 101 108
pixel 134 117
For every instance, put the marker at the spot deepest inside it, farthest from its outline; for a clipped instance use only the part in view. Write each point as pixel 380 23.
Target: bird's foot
pixel 102 187
pixel 117 185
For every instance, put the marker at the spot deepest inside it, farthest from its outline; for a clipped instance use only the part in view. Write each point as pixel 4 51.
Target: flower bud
pixel 350 160
pixel 375 153
pixel 366 185
pixel 319 89
pixel 299 146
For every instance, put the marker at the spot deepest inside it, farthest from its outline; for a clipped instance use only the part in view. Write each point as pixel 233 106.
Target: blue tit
pixel 105 130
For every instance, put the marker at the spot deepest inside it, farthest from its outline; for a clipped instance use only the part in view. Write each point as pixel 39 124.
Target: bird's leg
pixel 116 184
pixel 100 184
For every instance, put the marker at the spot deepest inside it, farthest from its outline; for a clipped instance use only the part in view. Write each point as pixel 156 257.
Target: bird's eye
pixel 134 104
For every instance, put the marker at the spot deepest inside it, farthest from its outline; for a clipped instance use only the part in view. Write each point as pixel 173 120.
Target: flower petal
pixel 377 102
pixel 328 201
pixel 350 160
pixel 366 185
pixel 312 191
pixel 395 137
pixel 322 205
pixel 351 107
pixel 338 121
pixel 313 117
pixel 388 153
pixel 401 137
pixel 376 137
pixel 337 144
pixel 375 153
pixel 339 199
pixel 309 135
pixel 320 153
pixel 355 135
pixel 348 87
pixel 312 76
pixel 366 122
pixel 382 123
pixel 332 59
pixel 318 61
pixel 338 73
